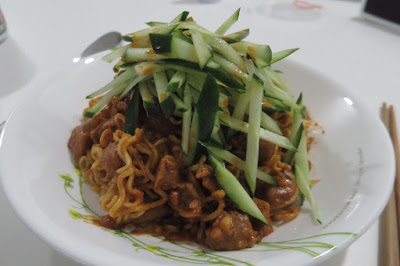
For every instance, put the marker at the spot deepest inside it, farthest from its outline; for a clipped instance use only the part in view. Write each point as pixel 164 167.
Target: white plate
pixel 353 159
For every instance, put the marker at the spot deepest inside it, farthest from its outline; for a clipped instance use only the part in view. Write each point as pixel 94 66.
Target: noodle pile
pixel 142 181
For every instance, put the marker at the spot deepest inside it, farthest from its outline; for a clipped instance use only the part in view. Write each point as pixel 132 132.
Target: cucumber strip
pixel 302 108
pixel 236 36
pixel 180 35
pixel 148 67
pixel 103 101
pixel 117 66
pixel 303 175
pixel 179 105
pixel 142 40
pixel 240 110
pixel 132 113
pixel 163 29
pixel 155 23
pixel 278 80
pixel 270 124
pixel 161 43
pixel 177 80
pixel 152 88
pixel 203 53
pixel 187 100
pixel 215 135
pixel 181 65
pixel 181 17
pixel 275 91
pixel 132 84
pixel 173 46
pixel 266 135
pixel 259 53
pixel 122 66
pixel 207 107
pixel 295 140
pixel 183 50
pixel 120 79
pixel 253 135
pixel 301 158
pixel 282 54
pixel 141 54
pixel 194 137
pixel 229 67
pixel 227 79
pixel 223 100
pixel 236 161
pixel 148 102
pixel 196 81
pixel 192 26
pixel 226 50
pixel 195 94
pixel 164 98
pixel 228 23
pixel 115 54
pixel 235 190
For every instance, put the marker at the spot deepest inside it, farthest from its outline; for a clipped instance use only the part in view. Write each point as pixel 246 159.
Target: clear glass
pixel 3 27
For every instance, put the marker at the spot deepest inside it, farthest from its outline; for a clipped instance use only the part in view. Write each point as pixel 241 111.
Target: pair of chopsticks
pixel 389 255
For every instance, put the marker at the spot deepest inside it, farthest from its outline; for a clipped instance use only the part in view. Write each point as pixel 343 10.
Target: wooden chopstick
pixel 395 140
pixel 389 253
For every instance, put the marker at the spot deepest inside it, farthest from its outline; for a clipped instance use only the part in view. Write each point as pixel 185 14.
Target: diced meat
pixel 267 150
pixel 152 215
pixel 108 222
pixel 260 228
pixel 186 201
pixel 230 231
pixel 167 174
pixel 95 134
pixel 110 159
pixel 283 195
pixel 208 180
pixel 79 142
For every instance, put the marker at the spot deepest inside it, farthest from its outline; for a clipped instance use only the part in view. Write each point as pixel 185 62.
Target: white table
pixel 45 34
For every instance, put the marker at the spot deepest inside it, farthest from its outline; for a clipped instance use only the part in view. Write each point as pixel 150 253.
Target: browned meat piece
pixel 152 215
pixel 231 231
pixel 206 173
pixel 283 195
pixel 167 174
pixel 261 228
pixel 79 142
pixel 108 222
pixel 95 134
pixel 267 150
pixel 84 135
pixel 110 159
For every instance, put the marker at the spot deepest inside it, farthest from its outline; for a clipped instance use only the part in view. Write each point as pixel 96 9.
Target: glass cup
pixel 3 27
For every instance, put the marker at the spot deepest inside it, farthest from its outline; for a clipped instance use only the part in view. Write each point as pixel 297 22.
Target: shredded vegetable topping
pixel 218 85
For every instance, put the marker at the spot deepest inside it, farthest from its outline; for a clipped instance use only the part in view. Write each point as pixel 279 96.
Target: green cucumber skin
pixel 168 106
pixel 161 43
pixel 151 110
pixel 132 113
pixel 207 107
pixel 235 190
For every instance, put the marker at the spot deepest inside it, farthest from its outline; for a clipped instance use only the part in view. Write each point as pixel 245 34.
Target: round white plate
pixel 353 160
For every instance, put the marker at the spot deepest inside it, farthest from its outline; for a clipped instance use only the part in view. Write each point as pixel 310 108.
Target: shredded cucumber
pixel 200 77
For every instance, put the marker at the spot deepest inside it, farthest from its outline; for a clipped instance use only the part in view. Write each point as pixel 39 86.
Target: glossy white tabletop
pixel 44 35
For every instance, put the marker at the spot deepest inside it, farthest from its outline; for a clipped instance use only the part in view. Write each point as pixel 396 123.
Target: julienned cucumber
pixel 235 190
pixel 166 102
pixel 236 161
pixel 194 74
pixel 266 135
